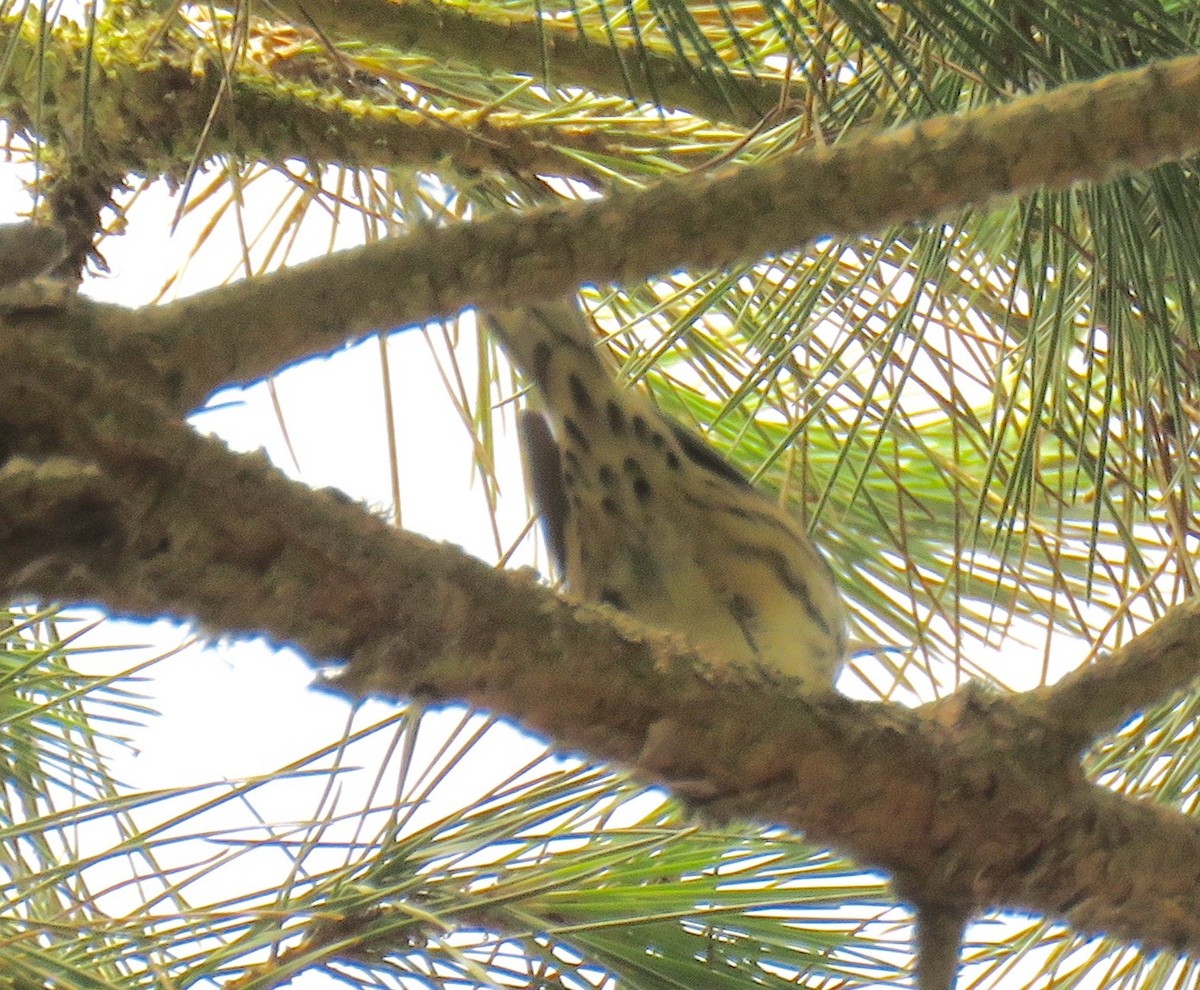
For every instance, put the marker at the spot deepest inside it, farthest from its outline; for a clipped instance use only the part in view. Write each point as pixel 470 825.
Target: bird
pixel 641 514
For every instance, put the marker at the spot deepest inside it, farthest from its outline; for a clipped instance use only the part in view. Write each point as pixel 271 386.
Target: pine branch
pixel 1082 131
pixel 523 43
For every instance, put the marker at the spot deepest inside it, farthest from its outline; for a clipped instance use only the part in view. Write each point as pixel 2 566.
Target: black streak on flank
pixel 701 454
pixel 610 507
pixel 744 614
pixel 616 418
pixel 794 585
pixel 760 518
pixel 576 435
pixel 639 428
pixel 742 608
pixel 672 460
pixel 608 477
pixel 580 395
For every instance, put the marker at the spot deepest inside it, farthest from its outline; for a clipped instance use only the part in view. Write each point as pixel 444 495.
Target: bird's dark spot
pixel 616 418
pixel 609 506
pixel 576 435
pixel 741 608
pixel 541 361
pixel 571 460
pixel 640 429
pixel 672 460
pixel 608 477
pixel 580 395
pixel 658 440
pixel 641 487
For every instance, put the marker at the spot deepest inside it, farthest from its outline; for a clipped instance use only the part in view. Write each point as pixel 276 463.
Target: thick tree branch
pixel 1081 131
pixel 1098 699
pixel 969 803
